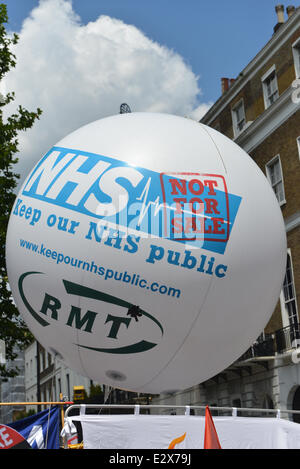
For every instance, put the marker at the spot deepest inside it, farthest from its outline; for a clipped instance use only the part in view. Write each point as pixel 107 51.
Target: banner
pixel 179 432
pixel 40 430
pixel 10 439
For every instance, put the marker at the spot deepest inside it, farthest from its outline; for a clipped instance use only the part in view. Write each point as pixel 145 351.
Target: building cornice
pixel 272 118
pixel 278 39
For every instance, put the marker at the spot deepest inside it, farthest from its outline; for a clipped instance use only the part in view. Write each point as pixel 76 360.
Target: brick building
pixel 260 111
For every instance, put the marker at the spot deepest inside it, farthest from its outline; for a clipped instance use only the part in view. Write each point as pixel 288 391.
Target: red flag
pixel 211 440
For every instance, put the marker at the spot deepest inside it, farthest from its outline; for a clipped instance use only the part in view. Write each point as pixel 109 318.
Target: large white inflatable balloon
pixel 147 251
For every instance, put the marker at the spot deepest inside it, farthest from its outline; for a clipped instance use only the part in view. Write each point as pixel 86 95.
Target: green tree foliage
pixel 12 329
pixel 96 395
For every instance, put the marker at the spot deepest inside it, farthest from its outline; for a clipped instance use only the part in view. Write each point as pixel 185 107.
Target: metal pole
pixel 231 410
pixel 38 370
pixel 38 403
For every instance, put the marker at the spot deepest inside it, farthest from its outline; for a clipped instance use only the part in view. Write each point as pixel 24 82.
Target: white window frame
pixel 296 55
pixel 283 301
pixel 236 129
pixel 268 165
pixel 267 96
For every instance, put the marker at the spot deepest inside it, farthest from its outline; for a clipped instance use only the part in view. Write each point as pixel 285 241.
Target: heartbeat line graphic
pixel 146 206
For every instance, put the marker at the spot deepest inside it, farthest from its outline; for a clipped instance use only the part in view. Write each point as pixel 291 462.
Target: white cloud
pixel 200 110
pixel 79 73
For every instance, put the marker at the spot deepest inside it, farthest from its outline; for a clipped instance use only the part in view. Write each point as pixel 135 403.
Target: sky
pixel 79 60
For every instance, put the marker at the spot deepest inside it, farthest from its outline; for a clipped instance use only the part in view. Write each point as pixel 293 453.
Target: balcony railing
pixel 288 338
pixel 279 342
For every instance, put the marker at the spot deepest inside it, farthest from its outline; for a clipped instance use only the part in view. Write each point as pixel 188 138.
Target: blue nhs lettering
pixel 84 182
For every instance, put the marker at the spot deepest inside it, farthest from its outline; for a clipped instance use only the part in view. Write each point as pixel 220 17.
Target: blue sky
pixel 215 38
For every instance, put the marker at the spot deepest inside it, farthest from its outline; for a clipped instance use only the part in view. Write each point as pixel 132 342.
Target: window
pixel 289 308
pixel 274 175
pixel 270 87
pixel 296 54
pixel 288 294
pixel 298 143
pixel 238 117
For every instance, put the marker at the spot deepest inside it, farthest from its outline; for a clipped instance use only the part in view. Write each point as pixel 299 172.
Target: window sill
pixel 283 202
pixel 237 132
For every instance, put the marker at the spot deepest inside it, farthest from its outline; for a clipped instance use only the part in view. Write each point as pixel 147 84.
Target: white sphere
pixel 147 251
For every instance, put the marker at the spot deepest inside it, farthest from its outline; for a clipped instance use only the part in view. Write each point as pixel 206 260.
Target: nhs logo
pixel 85 182
pixel 188 208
